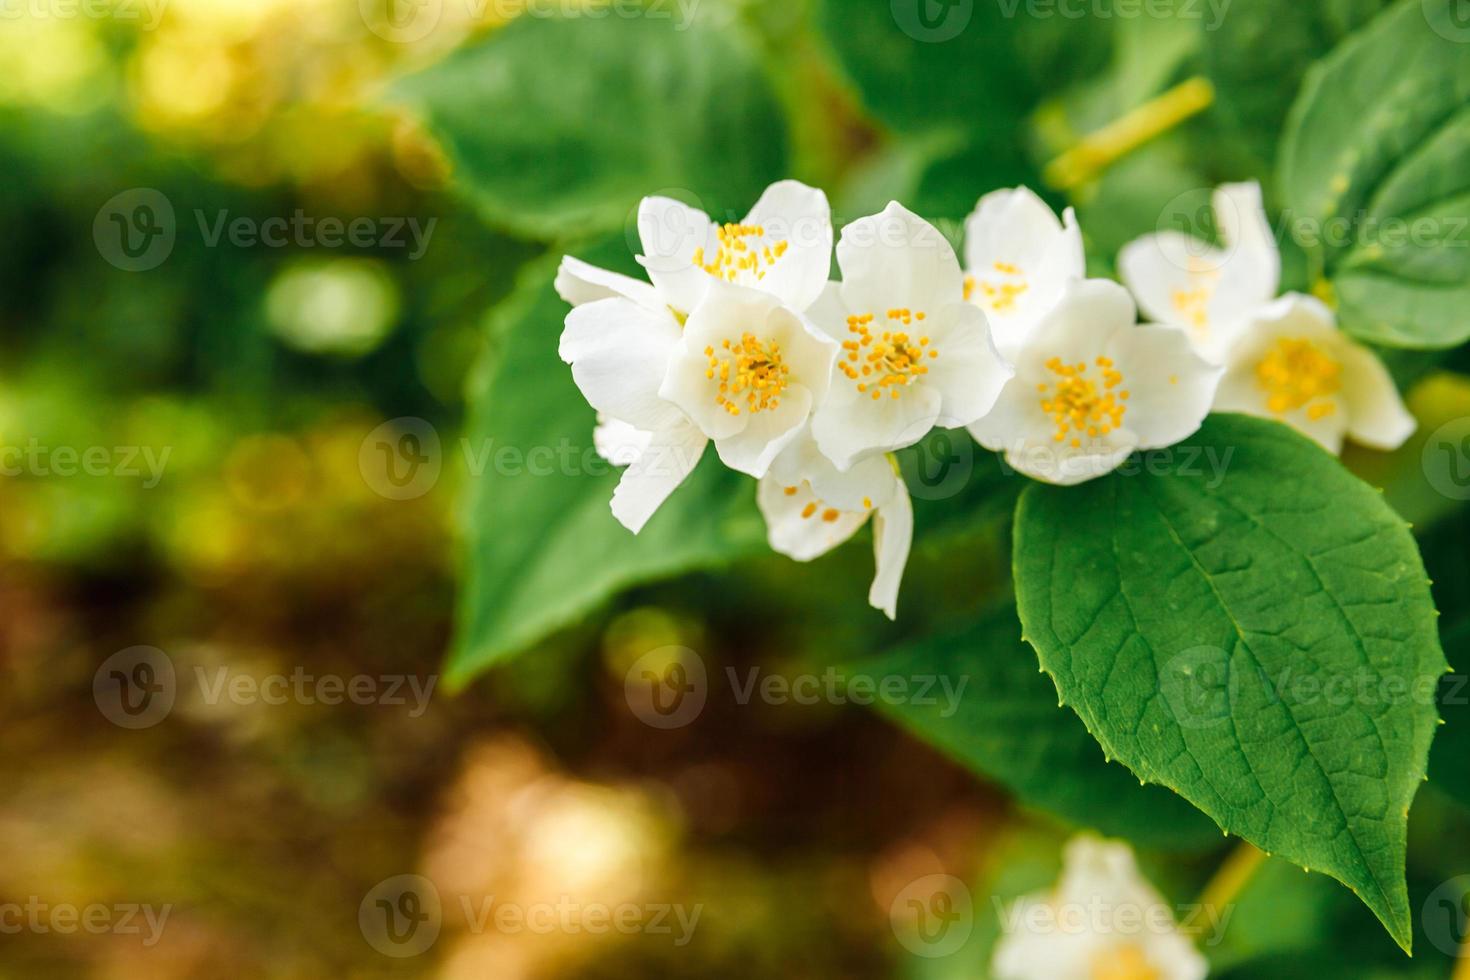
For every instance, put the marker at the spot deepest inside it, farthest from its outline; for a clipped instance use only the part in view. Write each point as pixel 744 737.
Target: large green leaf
pixel 1259 643
pixel 1258 56
pixel 999 715
pixel 648 108
pixel 542 547
pixel 1375 173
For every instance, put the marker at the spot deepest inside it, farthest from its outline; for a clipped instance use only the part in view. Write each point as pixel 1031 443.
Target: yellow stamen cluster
pixel 1000 295
pixel 1081 404
pixel 1297 374
pixel 1194 305
pixel 1123 963
pixel 737 255
pixel 830 515
pixel 887 361
pixel 748 369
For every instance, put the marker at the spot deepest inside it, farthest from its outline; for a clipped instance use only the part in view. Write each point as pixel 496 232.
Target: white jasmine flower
pixel 1103 921
pixel 1091 386
pixel 811 507
pixel 1020 258
pixel 748 372
pixel 1292 364
pixel 783 247
pixel 622 336
pixel 1210 293
pixel 915 354
pixel 619 351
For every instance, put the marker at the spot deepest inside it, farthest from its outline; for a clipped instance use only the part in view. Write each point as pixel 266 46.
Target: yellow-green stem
pixel 1096 152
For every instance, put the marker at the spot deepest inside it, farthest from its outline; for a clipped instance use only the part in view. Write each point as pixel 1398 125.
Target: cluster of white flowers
pixel 1102 921
pixel 738 338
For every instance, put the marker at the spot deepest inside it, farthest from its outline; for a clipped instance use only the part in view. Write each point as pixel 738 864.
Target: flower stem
pixel 1462 965
pixel 1096 152
pixel 1232 876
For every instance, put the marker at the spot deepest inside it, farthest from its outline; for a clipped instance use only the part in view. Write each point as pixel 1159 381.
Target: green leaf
pixel 542 548
pixel 1261 643
pixel 648 109
pixel 1375 173
pixel 999 716
pixel 1259 55
pixel 974 67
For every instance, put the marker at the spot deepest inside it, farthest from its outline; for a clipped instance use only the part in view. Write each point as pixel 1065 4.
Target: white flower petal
pixel 1170 387
pixel 669 458
pixel 799 216
pixel 969 372
pixel 672 233
pixel 870 482
pixel 897 260
pixel 849 426
pixel 893 535
pixel 619 352
pixel 580 283
pixel 1241 216
pixel 799 524
pixel 1377 417
pixel 618 442
pixel 765 434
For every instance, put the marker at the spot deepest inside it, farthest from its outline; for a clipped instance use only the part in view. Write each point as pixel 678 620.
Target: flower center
pixel 742 250
pixel 1123 963
pixel 999 292
pixel 888 361
pixel 748 370
pixel 1193 304
pixel 1298 374
pixel 815 507
pixel 1080 403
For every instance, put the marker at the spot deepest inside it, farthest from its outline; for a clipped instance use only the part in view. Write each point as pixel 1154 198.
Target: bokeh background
pixel 265 546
